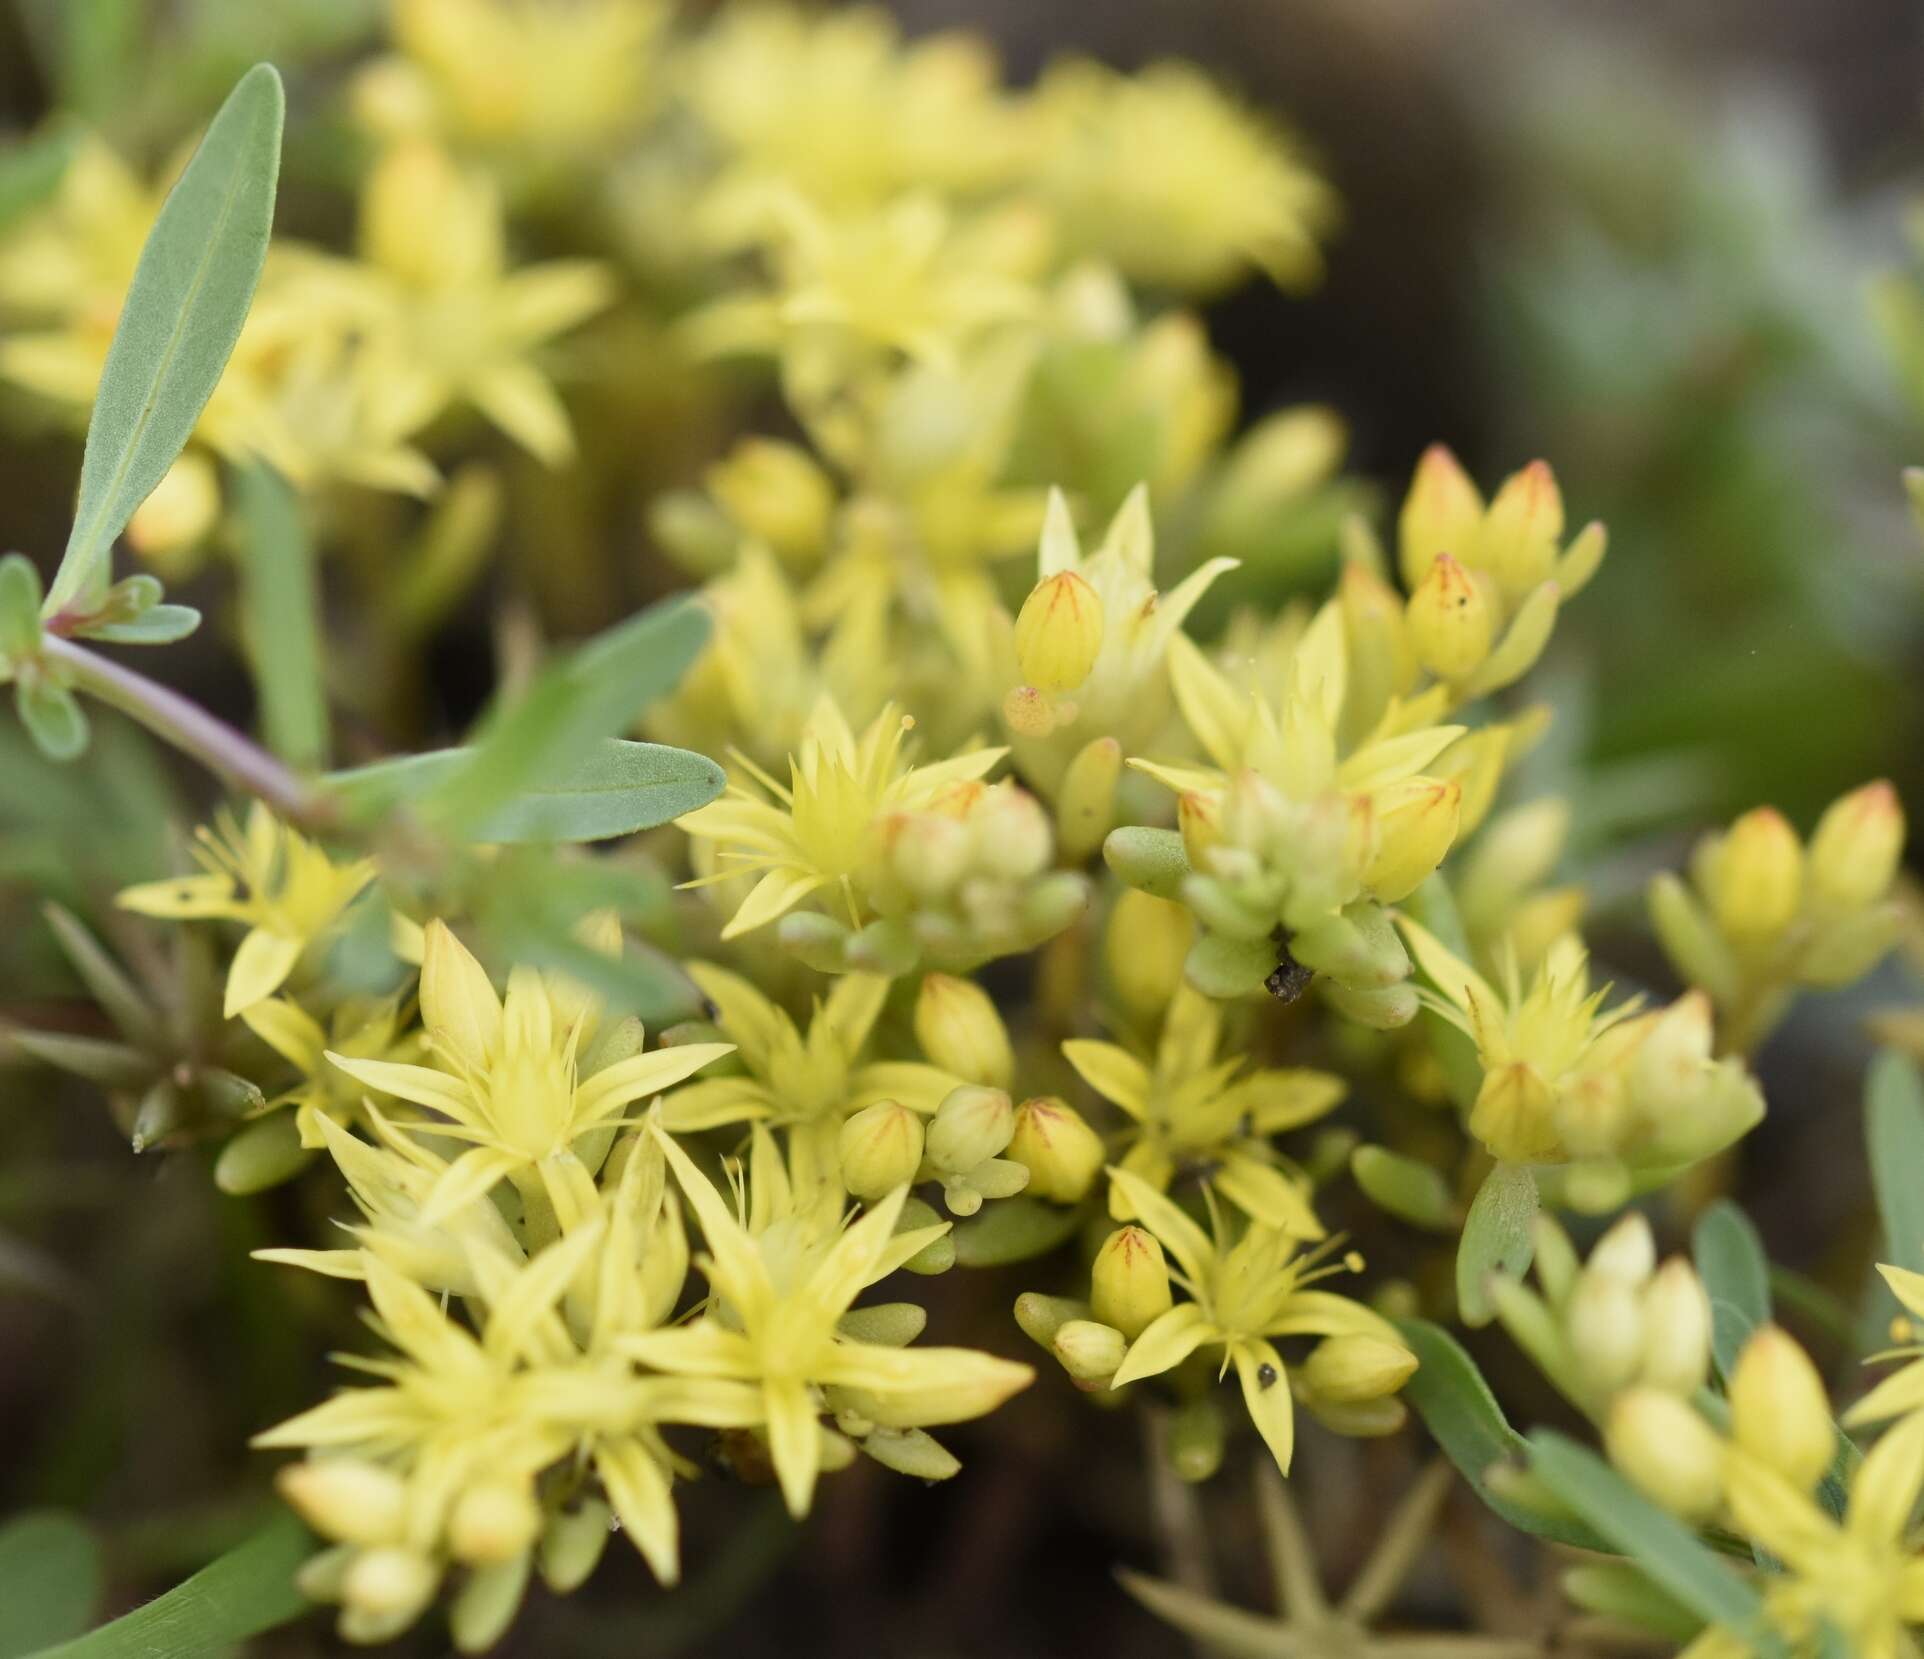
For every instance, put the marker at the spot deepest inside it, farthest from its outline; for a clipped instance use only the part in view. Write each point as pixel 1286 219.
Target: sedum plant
pixel 1110 924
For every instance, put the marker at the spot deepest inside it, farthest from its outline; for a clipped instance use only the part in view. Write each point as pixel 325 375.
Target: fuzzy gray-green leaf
pixel 178 325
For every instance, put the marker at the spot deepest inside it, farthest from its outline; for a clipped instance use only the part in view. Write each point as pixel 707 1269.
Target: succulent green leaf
pixel 53 717
pixel 1457 1407
pixel 1496 1239
pixel 1407 1188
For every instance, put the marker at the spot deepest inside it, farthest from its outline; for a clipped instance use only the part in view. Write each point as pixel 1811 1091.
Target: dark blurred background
pixel 1637 239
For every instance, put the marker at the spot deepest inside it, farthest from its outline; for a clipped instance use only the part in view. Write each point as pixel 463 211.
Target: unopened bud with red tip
pixel 1517 543
pixel 1058 633
pixel 1440 514
pixel 1452 621
pixel 1129 1283
pixel 1856 846
pixel 1417 827
pixel 1061 1152
pixel 1753 876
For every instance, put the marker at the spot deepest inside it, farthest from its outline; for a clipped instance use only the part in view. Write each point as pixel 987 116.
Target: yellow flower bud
pixel 972 1125
pixel 1451 620
pixel 1604 1323
pixel 881 1149
pixel 959 1029
pixel 1090 1352
pixel 1440 514
pixel 1517 544
pixel 1667 1451
pixel 1144 948
pixel 776 492
pixel 1628 1251
pixel 1086 802
pixel 1779 1412
pixel 1013 837
pixel 1058 633
pixel 494 1521
pixel 1754 876
pixel 1513 1114
pixel 1347 1370
pixel 1129 1283
pixel 1854 852
pixel 1676 1329
pixel 389 1582
pixel 1414 835
pixel 1061 1152
pixel 346 1498
pixel 928 851
pixel 1671 1068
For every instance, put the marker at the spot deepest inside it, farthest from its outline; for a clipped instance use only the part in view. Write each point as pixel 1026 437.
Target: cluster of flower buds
pixel 382 1574
pixel 1128 1291
pixel 1780 1419
pixel 1289 847
pixel 1616 1322
pixel 1764 914
pixel 1485 582
pixel 1843 1564
pixel 1087 651
pixel 967 878
pixel 1617 1095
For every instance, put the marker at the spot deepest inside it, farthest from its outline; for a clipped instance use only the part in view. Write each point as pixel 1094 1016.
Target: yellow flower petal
pixel 458 1001
pixel 1259 1368
pixel 1165 1343
pixel 185 897
pixel 420 1084
pixel 638 1076
pixel 259 969
pixel 794 1442
pixel 1113 1073
pixel 638 1488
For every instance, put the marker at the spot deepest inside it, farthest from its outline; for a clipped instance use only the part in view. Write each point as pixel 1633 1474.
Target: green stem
pixel 192 730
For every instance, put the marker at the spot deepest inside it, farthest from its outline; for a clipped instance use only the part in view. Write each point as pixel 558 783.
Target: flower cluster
pixel 1085 923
